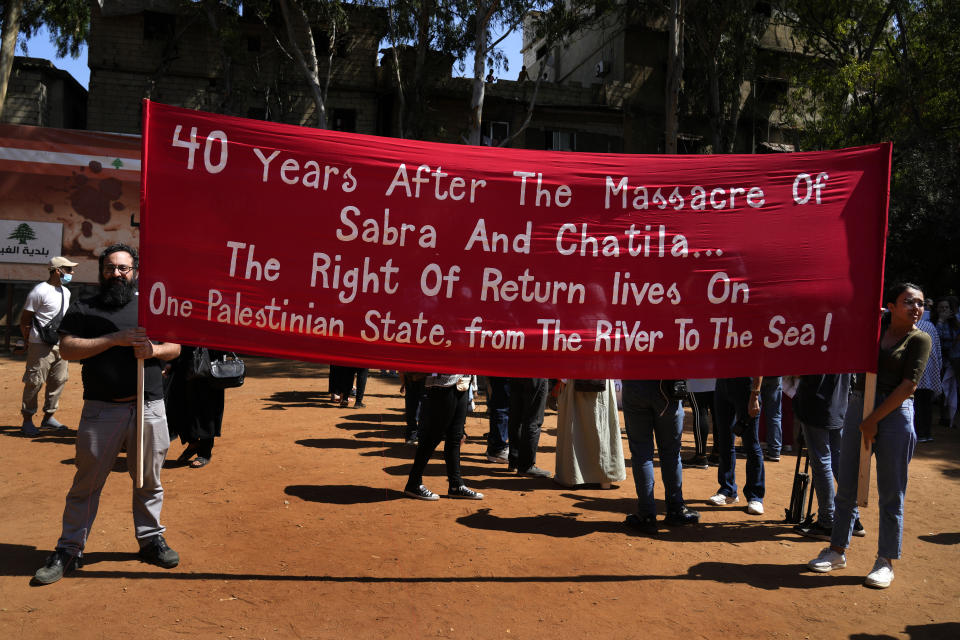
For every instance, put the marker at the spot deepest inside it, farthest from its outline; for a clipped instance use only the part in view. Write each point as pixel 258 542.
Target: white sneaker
pixel 828 560
pixel 755 508
pixel 720 499
pixel 881 575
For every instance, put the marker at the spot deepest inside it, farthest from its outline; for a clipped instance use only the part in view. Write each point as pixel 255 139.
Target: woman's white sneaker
pixel 720 499
pixel 755 508
pixel 828 560
pixel 881 575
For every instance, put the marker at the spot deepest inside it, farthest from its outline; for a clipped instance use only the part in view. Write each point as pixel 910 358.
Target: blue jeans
pixel 893 450
pixel 730 405
pixel 771 399
pixel 498 409
pixel 648 414
pixel 823 447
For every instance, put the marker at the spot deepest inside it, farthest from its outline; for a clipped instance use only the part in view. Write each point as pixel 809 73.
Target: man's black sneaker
pixel 58 563
pixel 713 459
pixel 464 492
pixel 642 524
pixel 695 462
pixel 421 493
pixel 682 516
pixel 815 530
pixel 156 551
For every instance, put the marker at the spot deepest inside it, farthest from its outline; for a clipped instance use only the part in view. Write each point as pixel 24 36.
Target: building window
pixel 494 133
pixel 344 120
pixel 560 141
pixel 158 26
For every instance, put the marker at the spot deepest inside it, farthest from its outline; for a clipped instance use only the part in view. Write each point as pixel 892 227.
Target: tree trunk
pixel 307 60
pixel 674 77
pixel 479 85
pixel 8 45
pixel 716 118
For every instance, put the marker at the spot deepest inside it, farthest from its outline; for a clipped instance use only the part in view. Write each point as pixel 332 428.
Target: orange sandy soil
pixel 299 529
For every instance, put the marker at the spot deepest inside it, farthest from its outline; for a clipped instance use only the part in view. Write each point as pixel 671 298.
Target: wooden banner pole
pixel 139 453
pixel 866 448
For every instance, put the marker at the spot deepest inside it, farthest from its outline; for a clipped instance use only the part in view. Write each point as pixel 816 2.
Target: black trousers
pixel 412 402
pixel 702 404
pixel 444 412
pixel 528 400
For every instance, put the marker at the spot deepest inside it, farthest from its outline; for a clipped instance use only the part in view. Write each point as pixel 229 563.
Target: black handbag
pixel 226 372
pixel 48 332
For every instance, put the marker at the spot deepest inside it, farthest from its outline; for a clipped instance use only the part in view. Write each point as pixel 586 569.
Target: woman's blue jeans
pixel 892 450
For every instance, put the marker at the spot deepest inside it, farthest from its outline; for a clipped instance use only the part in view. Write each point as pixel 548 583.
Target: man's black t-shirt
pixel 111 374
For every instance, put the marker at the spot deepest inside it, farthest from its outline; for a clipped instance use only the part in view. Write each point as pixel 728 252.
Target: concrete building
pixel 178 53
pixel 42 95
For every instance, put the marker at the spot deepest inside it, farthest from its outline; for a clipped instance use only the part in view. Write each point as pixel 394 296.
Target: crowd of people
pixel 919 354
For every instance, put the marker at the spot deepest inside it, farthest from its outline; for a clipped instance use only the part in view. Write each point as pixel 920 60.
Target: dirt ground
pixel 299 529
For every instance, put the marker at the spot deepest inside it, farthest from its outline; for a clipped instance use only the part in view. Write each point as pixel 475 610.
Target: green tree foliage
pixel 722 42
pixel 878 70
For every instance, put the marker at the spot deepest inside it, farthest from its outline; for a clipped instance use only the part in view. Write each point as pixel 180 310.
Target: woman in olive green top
pixel 903 357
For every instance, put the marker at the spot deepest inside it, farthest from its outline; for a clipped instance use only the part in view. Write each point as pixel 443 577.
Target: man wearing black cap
pixel 45 306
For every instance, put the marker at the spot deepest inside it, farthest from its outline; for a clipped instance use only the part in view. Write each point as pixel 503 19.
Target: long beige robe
pixel 589 448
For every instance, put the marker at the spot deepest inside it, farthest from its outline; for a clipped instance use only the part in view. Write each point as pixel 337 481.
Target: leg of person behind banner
pixel 139 453
pixel 866 448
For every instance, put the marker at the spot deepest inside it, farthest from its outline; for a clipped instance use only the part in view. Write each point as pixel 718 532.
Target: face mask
pixel 66 278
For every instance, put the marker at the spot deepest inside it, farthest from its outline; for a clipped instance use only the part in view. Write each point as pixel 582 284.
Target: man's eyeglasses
pixel 124 269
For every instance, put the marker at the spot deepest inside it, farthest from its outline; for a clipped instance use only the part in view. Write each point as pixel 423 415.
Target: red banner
pixel 319 245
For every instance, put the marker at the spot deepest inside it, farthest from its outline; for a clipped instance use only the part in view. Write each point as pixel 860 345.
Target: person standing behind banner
pixel 819 406
pixel 589 449
pixel 528 401
pixel 444 415
pixel 700 398
pixel 498 411
pixel 736 410
pixel 45 305
pixel 929 387
pixel 652 411
pixel 771 398
pixel 194 409
pixel 902 358
pixel 104 333
pixel 412 386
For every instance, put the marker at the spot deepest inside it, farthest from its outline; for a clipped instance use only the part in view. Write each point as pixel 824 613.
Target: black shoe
pixel 464 492
pixel 815 530
pixel 421 493
pixel 713 459
pixel 536 472
pixel 157 552
pixel 58 563
pixel 682 516
pixel 411 440
pixel 771 457
pixel 359 405
pixel 695 462
pixel 642 524
pixel 858 529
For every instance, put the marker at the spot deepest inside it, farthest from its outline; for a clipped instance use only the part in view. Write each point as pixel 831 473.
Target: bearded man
pixel 104 334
